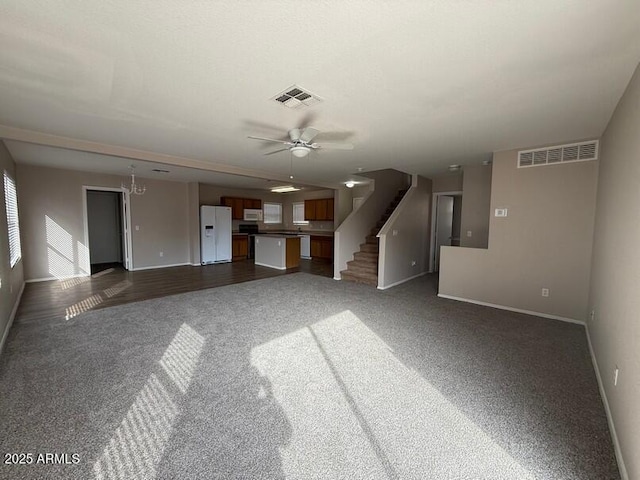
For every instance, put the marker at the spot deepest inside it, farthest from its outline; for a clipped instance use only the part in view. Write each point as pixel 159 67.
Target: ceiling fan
pixel 300 142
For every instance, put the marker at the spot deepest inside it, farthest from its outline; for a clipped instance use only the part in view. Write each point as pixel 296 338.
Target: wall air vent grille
pixel 573 152
pixel 296 97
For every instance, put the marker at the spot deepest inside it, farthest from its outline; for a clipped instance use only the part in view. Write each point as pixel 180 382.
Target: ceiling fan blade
pixel 285 142
pixel 277 151
pixel 307 120
pixel 333 146
pixel 263 127
pixel 309 134
pixel 294 134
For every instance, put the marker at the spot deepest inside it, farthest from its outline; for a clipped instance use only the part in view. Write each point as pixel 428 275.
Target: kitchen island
pixel 277 251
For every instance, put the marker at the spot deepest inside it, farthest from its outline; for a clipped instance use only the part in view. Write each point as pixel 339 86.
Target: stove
pixel 252 230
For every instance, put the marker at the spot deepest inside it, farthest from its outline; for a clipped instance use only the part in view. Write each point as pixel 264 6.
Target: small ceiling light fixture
pixel 300 151
pixel 487 162
pixel 284 189
pixel 350 184
pixel 134 189
pixel 454 168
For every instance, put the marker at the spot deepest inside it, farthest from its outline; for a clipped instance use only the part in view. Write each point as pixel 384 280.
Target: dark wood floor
pixel 114 286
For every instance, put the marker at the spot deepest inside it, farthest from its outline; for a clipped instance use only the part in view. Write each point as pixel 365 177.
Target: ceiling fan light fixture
pixel 300 151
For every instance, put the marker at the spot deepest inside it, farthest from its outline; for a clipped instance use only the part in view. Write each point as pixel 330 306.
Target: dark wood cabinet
pixel 252 203
pixel 321 248
pixel 321 209
pixel 318 209
pixel 238 205
pixel 239 247
pixel 309 209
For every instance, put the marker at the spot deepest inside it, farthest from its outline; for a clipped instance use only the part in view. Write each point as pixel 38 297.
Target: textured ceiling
pixel 413 85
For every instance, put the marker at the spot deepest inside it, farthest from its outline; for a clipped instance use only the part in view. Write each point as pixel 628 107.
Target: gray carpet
pixel 301 376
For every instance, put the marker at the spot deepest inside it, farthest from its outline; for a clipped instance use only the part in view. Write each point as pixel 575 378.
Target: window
pixel 11 204
pixel 272 212
pixel 298 214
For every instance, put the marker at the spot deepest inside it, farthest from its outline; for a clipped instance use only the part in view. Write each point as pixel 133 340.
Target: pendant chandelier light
pixel 134 189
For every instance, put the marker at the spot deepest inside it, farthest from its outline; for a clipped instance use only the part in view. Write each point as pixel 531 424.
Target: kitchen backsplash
pixel 311 226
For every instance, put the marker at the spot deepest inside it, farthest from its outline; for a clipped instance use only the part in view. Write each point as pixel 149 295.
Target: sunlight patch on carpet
pixel 363 413
pixel 137 446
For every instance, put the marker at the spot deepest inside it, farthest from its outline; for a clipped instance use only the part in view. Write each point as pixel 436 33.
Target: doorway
pixel 106 228
pixel 445 225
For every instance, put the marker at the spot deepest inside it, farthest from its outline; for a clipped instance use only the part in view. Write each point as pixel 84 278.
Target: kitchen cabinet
pixel 318 209
pixel 321 248
pixel 238 205
pixel 239 247
pixel 252 203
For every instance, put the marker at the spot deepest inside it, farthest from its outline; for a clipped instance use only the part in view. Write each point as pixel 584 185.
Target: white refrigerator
pixel 215 234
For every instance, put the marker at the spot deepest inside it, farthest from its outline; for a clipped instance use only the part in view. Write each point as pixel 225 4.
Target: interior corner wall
pixel 615 279
pixel 52 221
pixel 343 204
pixel 476 200
pixel 544 242
pixel 11 279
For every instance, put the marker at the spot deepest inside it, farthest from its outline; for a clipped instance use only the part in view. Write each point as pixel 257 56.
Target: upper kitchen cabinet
pixel 238 205
pixel 318 209
pixel 252 203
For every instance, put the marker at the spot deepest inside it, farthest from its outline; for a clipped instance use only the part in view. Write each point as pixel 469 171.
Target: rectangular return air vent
pixel 296 97
pixel 572 152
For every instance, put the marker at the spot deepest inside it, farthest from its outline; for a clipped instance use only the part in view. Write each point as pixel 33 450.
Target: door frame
pixel 127 254
pixel 434 212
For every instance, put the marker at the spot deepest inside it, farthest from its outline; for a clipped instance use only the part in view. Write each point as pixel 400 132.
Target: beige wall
pixel 404 240
pixel 545 241
pixel 12 278
pixel 52 220
pixel 615 279
pixel 476 199
pixel 447 183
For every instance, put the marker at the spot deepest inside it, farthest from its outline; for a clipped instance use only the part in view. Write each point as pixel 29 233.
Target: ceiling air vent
pixel 296 97
pixel 572 152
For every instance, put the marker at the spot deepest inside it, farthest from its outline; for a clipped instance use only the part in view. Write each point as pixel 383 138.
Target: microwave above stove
pixel 252 214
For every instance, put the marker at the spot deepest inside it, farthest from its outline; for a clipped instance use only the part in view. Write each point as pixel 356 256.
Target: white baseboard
pixel 512 309
pixel 5 334
pixel 402 281
pixel 270 266
pixel 66 277
pixel 160 266
pixel 612 428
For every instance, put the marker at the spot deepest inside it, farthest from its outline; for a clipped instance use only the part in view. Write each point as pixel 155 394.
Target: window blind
pixel 298 214
pixel 11 205
pixel 272 212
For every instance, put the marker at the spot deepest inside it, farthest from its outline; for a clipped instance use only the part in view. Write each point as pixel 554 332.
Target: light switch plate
pixel 501 212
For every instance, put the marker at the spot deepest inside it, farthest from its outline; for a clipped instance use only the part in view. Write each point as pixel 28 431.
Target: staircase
pixel 364 266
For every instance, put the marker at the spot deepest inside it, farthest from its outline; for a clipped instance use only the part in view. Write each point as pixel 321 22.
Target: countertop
pixel 278 235
pixel 315 233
